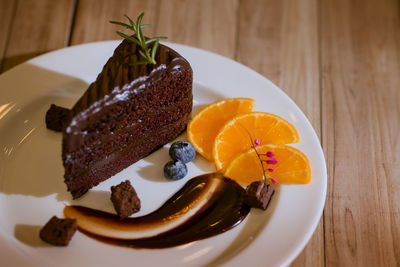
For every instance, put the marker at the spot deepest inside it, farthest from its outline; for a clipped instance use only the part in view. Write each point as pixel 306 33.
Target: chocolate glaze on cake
pixel 128 112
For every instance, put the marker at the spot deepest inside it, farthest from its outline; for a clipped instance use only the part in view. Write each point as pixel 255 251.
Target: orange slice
pixel 292 165
pixel 236 136
pixel 206 123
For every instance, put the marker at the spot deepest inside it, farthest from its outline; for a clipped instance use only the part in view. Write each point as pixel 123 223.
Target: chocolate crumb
pixel 258 194
pixel 56 118
pixel 125 200
pixel 58 232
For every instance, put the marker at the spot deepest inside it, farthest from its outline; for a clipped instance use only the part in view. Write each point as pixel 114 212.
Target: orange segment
pixel 206 123
pixel 234 137
pixel 292 167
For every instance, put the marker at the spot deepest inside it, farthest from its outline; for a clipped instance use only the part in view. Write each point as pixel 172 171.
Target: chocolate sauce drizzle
pixel 224 210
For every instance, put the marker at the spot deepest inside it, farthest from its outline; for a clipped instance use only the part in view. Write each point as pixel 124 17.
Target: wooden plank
pixel 279 39
pixel 206 24
pixel 6 13
pixel 93 16
pixel 360 45
pixel 32 34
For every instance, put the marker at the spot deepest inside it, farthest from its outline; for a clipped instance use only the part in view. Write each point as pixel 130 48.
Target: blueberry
pixel 175 170
pixel 183 151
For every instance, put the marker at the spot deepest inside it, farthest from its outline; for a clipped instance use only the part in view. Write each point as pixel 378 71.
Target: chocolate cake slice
pixel 128 112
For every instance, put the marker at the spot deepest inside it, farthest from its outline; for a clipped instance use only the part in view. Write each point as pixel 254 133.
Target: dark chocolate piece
pixel 125 200
pixel 56 118
pixel 258 194
pixel 58 232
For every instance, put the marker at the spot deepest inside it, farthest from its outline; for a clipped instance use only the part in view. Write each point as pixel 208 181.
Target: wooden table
pixel 339 60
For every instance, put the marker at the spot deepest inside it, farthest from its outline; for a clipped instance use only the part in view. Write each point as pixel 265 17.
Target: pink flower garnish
pixel 272 161
pixel 257 142
pixel 270 154
pixel 270 169
pixel 274 181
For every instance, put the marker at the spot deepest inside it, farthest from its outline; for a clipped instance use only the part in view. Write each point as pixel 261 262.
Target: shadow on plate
pixel 31 163
pixel 154 166
pixel 29 235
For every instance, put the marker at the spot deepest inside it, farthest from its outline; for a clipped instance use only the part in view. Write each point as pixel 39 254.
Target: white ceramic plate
pixel 31 172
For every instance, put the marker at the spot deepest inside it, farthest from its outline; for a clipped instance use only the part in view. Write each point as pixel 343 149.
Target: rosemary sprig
pixel 148 54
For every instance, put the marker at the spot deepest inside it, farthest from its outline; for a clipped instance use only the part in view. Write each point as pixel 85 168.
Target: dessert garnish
pixel 232 139
pixel 183 151
pixel 175 170
pixel 205 206
pixel 148 54
pixel 240 159
pixel 206 123
pixel 58 232
pixel 285 164
pixel 254 145
pixel 259 193
pixel 125 200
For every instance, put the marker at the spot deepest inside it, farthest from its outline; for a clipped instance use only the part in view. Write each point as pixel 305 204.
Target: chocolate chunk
pixel 56 118
pixel 58 232
pixel 258 194
pixel 125 200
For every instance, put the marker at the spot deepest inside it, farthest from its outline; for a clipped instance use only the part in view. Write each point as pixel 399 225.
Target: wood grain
pixel 7 8
pixel 360 44
pixel 205 24
pixel 279 39
pixel 93 16
pixel 38 26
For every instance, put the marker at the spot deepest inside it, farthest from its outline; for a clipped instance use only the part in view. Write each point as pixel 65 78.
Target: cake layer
pixel 128 131
pixel 116 163
pixel 85 157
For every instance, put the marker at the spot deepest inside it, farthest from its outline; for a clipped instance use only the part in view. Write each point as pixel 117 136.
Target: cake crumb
pixel 56 118
pixel 125 200
pixel 58 232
